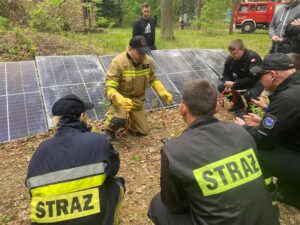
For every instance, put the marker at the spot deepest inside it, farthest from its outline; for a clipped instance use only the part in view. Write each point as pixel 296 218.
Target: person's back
pixel 210 174
pixel 216 166
pixel 71 176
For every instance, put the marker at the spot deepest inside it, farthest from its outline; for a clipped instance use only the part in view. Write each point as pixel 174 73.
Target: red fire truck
pixel 252 15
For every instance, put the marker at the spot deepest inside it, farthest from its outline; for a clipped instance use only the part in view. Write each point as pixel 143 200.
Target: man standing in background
pixel 145 26
pixel 281 19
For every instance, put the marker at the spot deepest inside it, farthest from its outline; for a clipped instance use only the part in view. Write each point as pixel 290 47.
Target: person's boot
pixel 114 124
pixel 238 103
pixel 110 136
pixel 273 194
pixel 288 194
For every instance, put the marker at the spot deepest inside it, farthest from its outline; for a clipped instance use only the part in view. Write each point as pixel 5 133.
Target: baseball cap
pixel 140 44
pixel 275 61
pixel 70 105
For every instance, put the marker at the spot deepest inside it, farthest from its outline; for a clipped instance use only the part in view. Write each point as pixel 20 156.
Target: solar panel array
pixel 21 111
pixel 27 95
pixel 63 75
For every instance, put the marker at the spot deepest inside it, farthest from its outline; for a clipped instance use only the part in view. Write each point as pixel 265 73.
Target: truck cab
pixel 252 15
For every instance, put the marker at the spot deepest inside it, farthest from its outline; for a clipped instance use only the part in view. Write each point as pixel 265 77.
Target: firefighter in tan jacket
pixel 127 78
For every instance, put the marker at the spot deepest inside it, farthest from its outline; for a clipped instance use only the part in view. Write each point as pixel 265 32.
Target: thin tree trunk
pixel 199 6
pixel 233 8
pixel 166 19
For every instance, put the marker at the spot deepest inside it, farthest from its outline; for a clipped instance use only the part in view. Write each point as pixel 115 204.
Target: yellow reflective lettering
pixel 51 209
pixel 228 173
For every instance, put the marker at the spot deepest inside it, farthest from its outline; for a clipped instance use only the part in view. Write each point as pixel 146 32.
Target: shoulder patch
pixel 146 66
pixel 253 60
pixel 269 121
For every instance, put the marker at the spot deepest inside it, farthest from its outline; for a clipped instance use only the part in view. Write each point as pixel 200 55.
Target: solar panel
pixel 63 75
pixel 176 66
pixel 22 112
pixel 105 60
pixel 182 65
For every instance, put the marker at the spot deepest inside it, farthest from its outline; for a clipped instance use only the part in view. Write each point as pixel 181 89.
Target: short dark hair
pixel 145 5
pixel 200 97
pixel 296 58
pixel 237 44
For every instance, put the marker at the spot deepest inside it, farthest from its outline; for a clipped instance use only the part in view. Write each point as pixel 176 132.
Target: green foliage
pixel 49 16
pixel 104 22
pixel 4 219
pixel 213 13
pixel 105 104
pixel 257 110
pixel 4 23
pixel 16 45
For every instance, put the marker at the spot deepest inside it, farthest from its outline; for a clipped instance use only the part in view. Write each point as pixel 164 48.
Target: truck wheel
pixel 248 27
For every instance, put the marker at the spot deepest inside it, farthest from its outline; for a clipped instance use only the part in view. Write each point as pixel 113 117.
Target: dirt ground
pixel 140 166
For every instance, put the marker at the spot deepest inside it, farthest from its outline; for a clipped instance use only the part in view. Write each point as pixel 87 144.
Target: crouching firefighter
pixel 128 77
pixel 237 77
pixel 71 177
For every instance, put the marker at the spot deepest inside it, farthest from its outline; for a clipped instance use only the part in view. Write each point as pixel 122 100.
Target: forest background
pixel 30 28
pixel 44 27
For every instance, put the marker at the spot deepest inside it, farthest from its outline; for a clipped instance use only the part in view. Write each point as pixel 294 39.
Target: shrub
pixel 103 22
pixel 4 23
pixel 48 15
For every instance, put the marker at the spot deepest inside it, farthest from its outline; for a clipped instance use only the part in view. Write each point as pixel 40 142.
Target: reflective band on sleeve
pixel 111 83
pixel 228 173
pixel 66 175
pixel 135 73
pixel 268 180
pixel 111 91
pixel 70 186
pixel 65 207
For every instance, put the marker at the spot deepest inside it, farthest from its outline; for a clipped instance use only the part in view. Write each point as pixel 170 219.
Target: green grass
pixel 116 39
pixel 24 44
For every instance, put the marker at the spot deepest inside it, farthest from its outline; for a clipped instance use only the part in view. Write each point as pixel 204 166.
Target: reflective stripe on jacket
pixel 66 175
pixel 129 80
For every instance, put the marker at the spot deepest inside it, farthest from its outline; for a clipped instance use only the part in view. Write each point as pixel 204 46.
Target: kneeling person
pixel 237 77
pixel 210 174
pixel 71 177
pixel 128 77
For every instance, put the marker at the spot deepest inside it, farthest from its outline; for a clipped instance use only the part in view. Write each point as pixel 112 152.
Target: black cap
pixel 140 44
pixel 275 61
pixel 70 105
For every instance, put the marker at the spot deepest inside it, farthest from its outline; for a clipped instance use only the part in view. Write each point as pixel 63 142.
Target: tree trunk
pixel 233 8
pixel 166 19
pixel 199 6
pixel 120 12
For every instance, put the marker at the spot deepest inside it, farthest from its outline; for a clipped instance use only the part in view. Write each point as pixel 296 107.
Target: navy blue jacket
pixel 72 146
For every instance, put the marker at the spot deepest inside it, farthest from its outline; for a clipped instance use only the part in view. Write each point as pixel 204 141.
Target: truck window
pixel 252 8
pixel 262 7
pixel 278 6
pixel 244 8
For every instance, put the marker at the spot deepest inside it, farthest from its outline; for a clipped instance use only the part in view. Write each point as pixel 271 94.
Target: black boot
pixel 289 194
pixel 110 136
pixel 273 194
pixel 114 124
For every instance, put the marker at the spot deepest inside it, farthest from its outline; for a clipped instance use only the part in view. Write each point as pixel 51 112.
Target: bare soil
pixel 140 166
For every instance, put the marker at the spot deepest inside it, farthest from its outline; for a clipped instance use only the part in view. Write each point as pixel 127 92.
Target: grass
pixel 23 44
pixel 116 39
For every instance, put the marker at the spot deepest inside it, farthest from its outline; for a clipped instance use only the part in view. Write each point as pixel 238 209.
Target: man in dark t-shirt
pixel 145 26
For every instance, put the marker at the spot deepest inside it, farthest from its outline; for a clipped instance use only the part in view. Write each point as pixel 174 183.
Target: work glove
pixel 118 99
pixel 162 92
